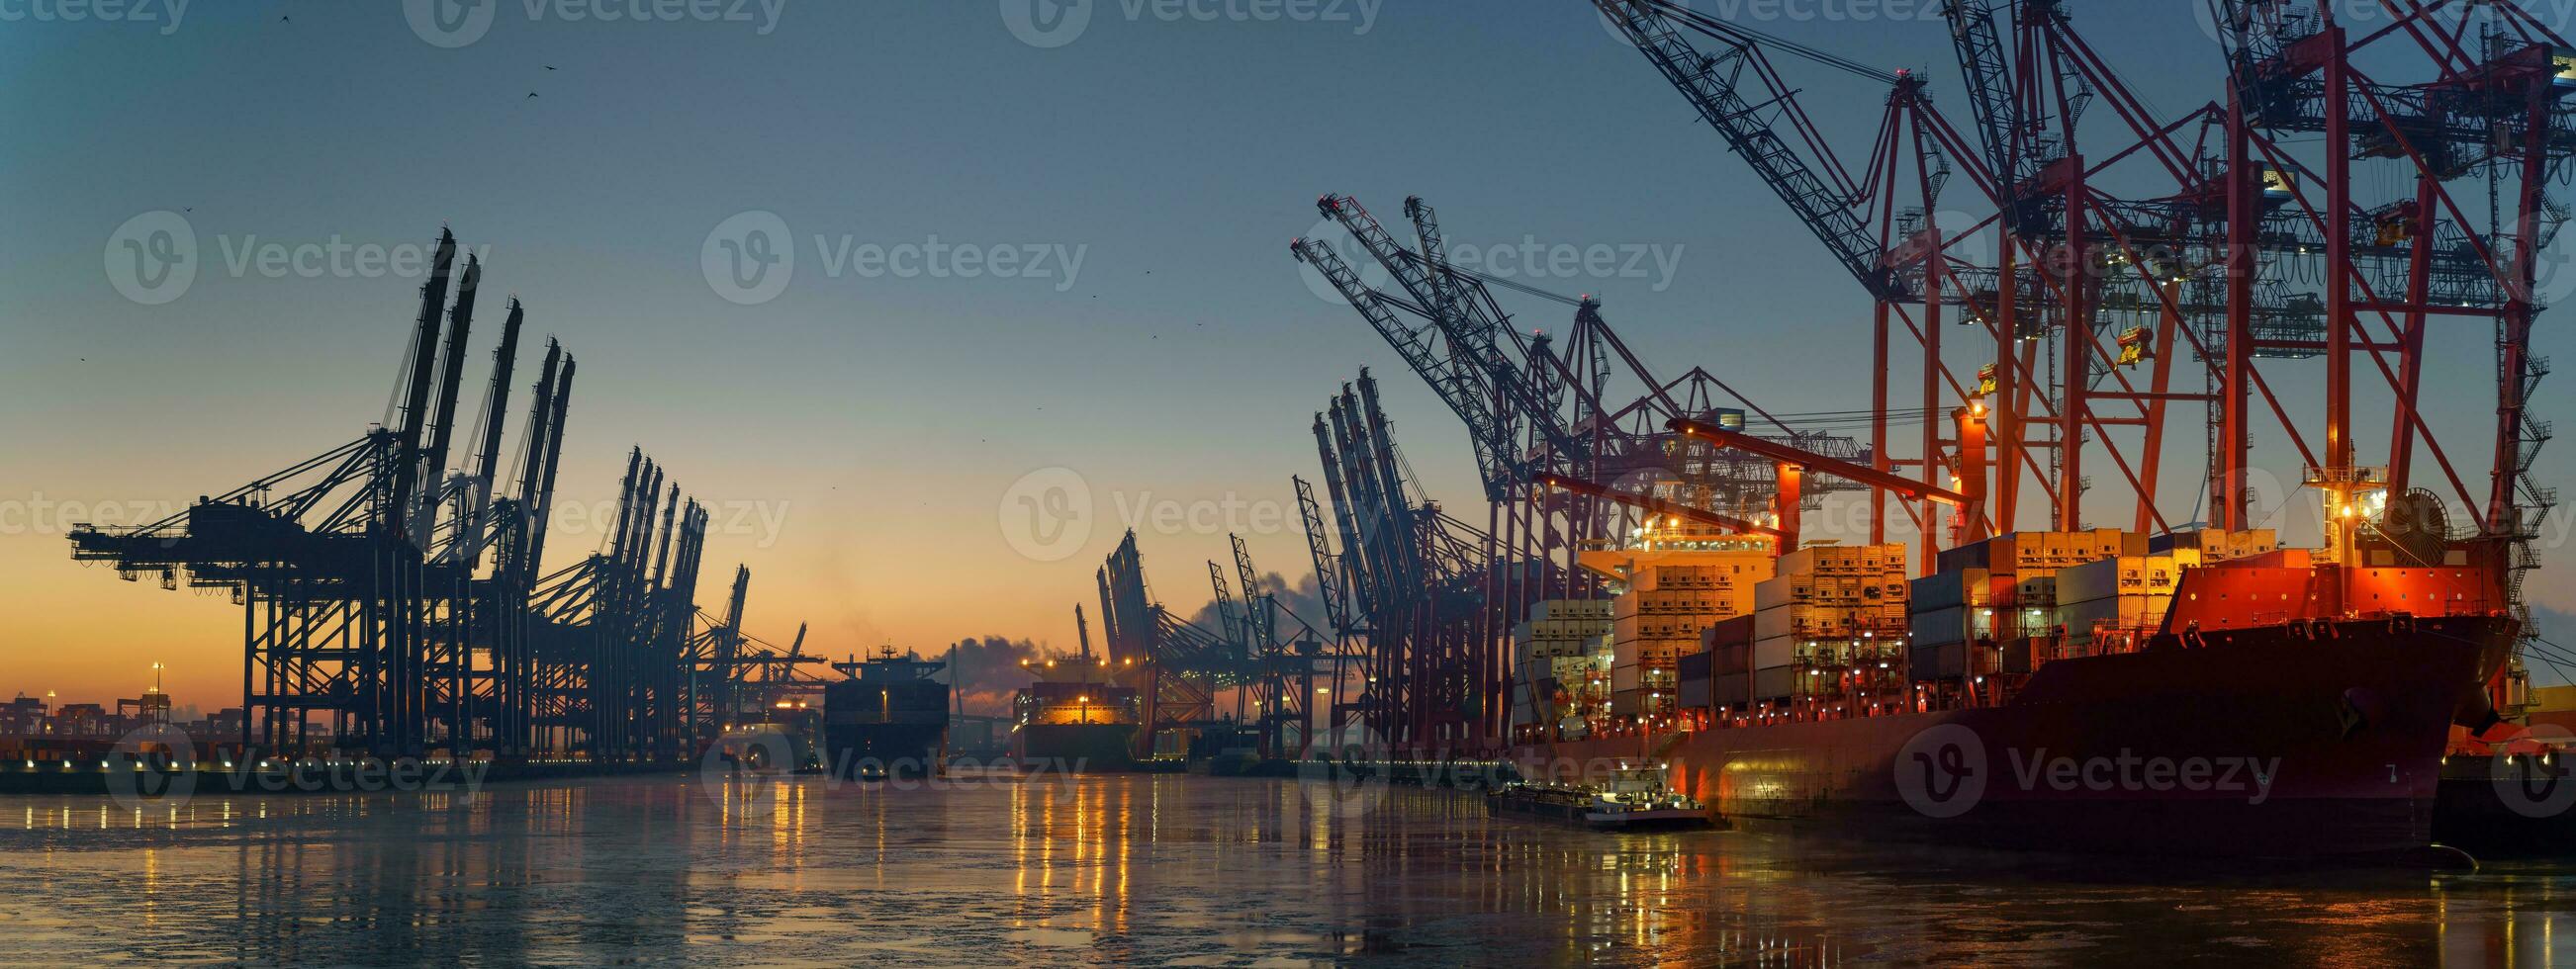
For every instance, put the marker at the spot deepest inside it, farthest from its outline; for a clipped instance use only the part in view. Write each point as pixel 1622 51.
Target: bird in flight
pixel 532 94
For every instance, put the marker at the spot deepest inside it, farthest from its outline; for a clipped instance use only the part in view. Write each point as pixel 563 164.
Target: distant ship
pixel 886 716
pixel 1075 716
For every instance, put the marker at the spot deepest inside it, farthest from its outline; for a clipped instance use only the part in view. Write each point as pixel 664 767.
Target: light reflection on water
pixel 1135 868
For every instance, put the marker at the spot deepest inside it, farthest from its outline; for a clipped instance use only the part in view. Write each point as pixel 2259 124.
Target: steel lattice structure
pixel 404 603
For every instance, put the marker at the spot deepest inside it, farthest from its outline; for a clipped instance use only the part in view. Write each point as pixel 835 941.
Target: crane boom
pixel 1464 395
pixel 1710 83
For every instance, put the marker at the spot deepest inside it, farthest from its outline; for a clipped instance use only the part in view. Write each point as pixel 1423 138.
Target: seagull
pixel 532 94
pixel 549 67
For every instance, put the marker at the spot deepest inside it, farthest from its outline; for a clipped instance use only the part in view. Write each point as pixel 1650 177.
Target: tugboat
pixel 887 716
pixel 1634 799
pixel 780 741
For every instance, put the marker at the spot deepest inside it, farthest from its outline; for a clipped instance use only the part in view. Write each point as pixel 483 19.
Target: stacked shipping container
pixel 1659 619
pixel 1830 610
pixel 2128 593
pixel 1563 660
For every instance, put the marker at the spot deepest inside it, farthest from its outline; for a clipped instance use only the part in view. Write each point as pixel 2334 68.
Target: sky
pixel 868 411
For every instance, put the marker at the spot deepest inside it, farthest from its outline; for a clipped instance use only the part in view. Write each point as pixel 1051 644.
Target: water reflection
pixel 1139 868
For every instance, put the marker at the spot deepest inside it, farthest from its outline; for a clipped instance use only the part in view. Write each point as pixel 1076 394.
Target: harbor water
pixel 1144 869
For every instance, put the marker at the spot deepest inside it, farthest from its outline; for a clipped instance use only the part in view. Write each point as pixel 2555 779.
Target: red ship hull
pixel 2266 742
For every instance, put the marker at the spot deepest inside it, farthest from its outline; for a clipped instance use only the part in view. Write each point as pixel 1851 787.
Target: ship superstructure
pixel 887 715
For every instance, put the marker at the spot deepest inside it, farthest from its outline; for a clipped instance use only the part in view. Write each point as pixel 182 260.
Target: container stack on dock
pixel 1832 621
pixel 1564 659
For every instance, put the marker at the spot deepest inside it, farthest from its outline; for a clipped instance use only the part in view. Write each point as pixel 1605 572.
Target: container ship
pixel 1077 715
pixel 2204 693
pixel 886 716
